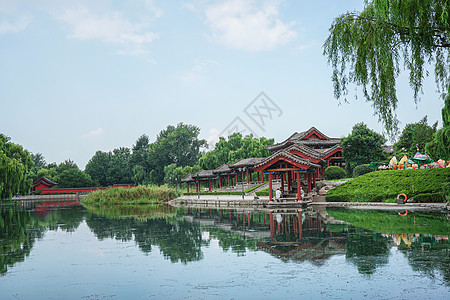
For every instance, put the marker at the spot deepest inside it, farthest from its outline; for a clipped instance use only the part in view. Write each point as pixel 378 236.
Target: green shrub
pixel 334 172
pixel 265 192
pixel 361 170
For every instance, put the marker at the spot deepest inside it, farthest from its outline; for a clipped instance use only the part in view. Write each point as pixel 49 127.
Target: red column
pixel 248 218
pixel 270 189
pixel 247 175
pixel 314 181
pixel 309 183
pixel 198 186
pixel 299 193
pixel 271 221
pixel 328 163
pixel 210 185
pixel 187 186
pixel 229 181
pixel 323 172
pixel 282 183
pixel 289 177
pixel 236 178
pixel 220 182
pixel 300 223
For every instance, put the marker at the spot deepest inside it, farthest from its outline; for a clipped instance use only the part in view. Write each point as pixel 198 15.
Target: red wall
pixel 76 190
pixel 71 190
pixel 40 186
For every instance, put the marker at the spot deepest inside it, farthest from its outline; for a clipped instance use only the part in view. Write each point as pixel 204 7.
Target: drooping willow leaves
pixel 368 48
pixel 14 165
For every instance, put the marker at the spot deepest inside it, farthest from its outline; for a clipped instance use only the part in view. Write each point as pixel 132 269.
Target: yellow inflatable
pixel 403 162
pixel 393 163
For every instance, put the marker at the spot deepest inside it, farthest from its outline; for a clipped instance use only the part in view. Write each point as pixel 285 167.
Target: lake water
pixel 60 251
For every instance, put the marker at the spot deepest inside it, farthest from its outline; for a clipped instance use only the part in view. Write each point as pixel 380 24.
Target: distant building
pixel 43 183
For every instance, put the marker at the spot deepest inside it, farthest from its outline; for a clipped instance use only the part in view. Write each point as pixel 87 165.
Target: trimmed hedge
pixel 361 170
pixel 425 185
pixel 334 172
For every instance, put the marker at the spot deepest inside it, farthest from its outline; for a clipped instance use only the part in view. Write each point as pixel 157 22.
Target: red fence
pixel 82 190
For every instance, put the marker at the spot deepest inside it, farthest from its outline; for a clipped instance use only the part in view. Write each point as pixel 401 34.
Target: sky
pixel 81 76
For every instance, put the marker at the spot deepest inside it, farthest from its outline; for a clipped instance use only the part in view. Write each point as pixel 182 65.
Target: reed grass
pixel 136 195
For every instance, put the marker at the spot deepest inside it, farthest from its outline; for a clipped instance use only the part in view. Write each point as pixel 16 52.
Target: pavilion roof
pixel 312 136
pixel 313 153
pixel 291 156
pixel 223 169
pixel 246 162
pixel 188 178
pixel 328 150
pixel 44 180
pixel 203 174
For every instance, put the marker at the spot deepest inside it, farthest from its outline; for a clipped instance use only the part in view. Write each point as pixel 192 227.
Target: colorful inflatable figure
pixel 421 159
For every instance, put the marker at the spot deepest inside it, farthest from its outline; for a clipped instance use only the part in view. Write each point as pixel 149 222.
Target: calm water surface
pixel 59 251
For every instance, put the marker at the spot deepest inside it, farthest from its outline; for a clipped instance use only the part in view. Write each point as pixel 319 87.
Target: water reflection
pixel 178 240
pixel 364 238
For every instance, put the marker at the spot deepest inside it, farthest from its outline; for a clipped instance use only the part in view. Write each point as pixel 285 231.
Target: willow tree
pixel 368 49
pixel 15 162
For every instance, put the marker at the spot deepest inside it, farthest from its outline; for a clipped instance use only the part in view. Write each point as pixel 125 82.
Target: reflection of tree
pixel 20 228
pixel 18 232
pixel 367 251
pixel 230 240
pixel 429 257
pixel 178 240
pixel 66 219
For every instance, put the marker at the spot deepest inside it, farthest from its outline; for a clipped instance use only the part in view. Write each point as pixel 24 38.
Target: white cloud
pixel 213 138
pixel 93 133
pixel 19 24
pixel 248 25
pixel 111 27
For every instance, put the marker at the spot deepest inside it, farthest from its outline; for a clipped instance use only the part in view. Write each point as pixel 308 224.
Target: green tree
pixel 98 166
pixel 362 146
pixel 233 149
pixel 138 161
pixel 415 135
pixel 367 49
pixel 38 160
pixel 178 145
pixel 15 162
pixel 119 171
pixel 439 147
pixel 73 178
pixel 66 165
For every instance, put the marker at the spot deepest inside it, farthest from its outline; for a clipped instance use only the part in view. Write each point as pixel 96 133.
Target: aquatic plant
pixel 136 195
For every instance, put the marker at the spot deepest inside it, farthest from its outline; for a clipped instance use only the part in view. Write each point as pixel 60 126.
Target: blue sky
pixel 82 76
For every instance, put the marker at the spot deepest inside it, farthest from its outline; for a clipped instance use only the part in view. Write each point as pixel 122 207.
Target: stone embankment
pixel 324 186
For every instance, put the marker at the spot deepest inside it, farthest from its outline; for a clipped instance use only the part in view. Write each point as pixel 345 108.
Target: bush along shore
pixel 136 195
pixel 424 185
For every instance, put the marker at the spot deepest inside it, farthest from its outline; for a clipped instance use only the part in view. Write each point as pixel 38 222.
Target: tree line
pixel 178 151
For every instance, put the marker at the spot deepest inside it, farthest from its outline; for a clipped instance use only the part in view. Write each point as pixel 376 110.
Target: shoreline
pixel 250 201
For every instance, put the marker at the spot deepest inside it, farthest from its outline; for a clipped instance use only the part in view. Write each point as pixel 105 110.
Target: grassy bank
pixel 137 195
pixel 425 185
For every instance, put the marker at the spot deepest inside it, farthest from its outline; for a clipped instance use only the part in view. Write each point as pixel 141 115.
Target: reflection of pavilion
pixel 301 236
pixel 295 234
